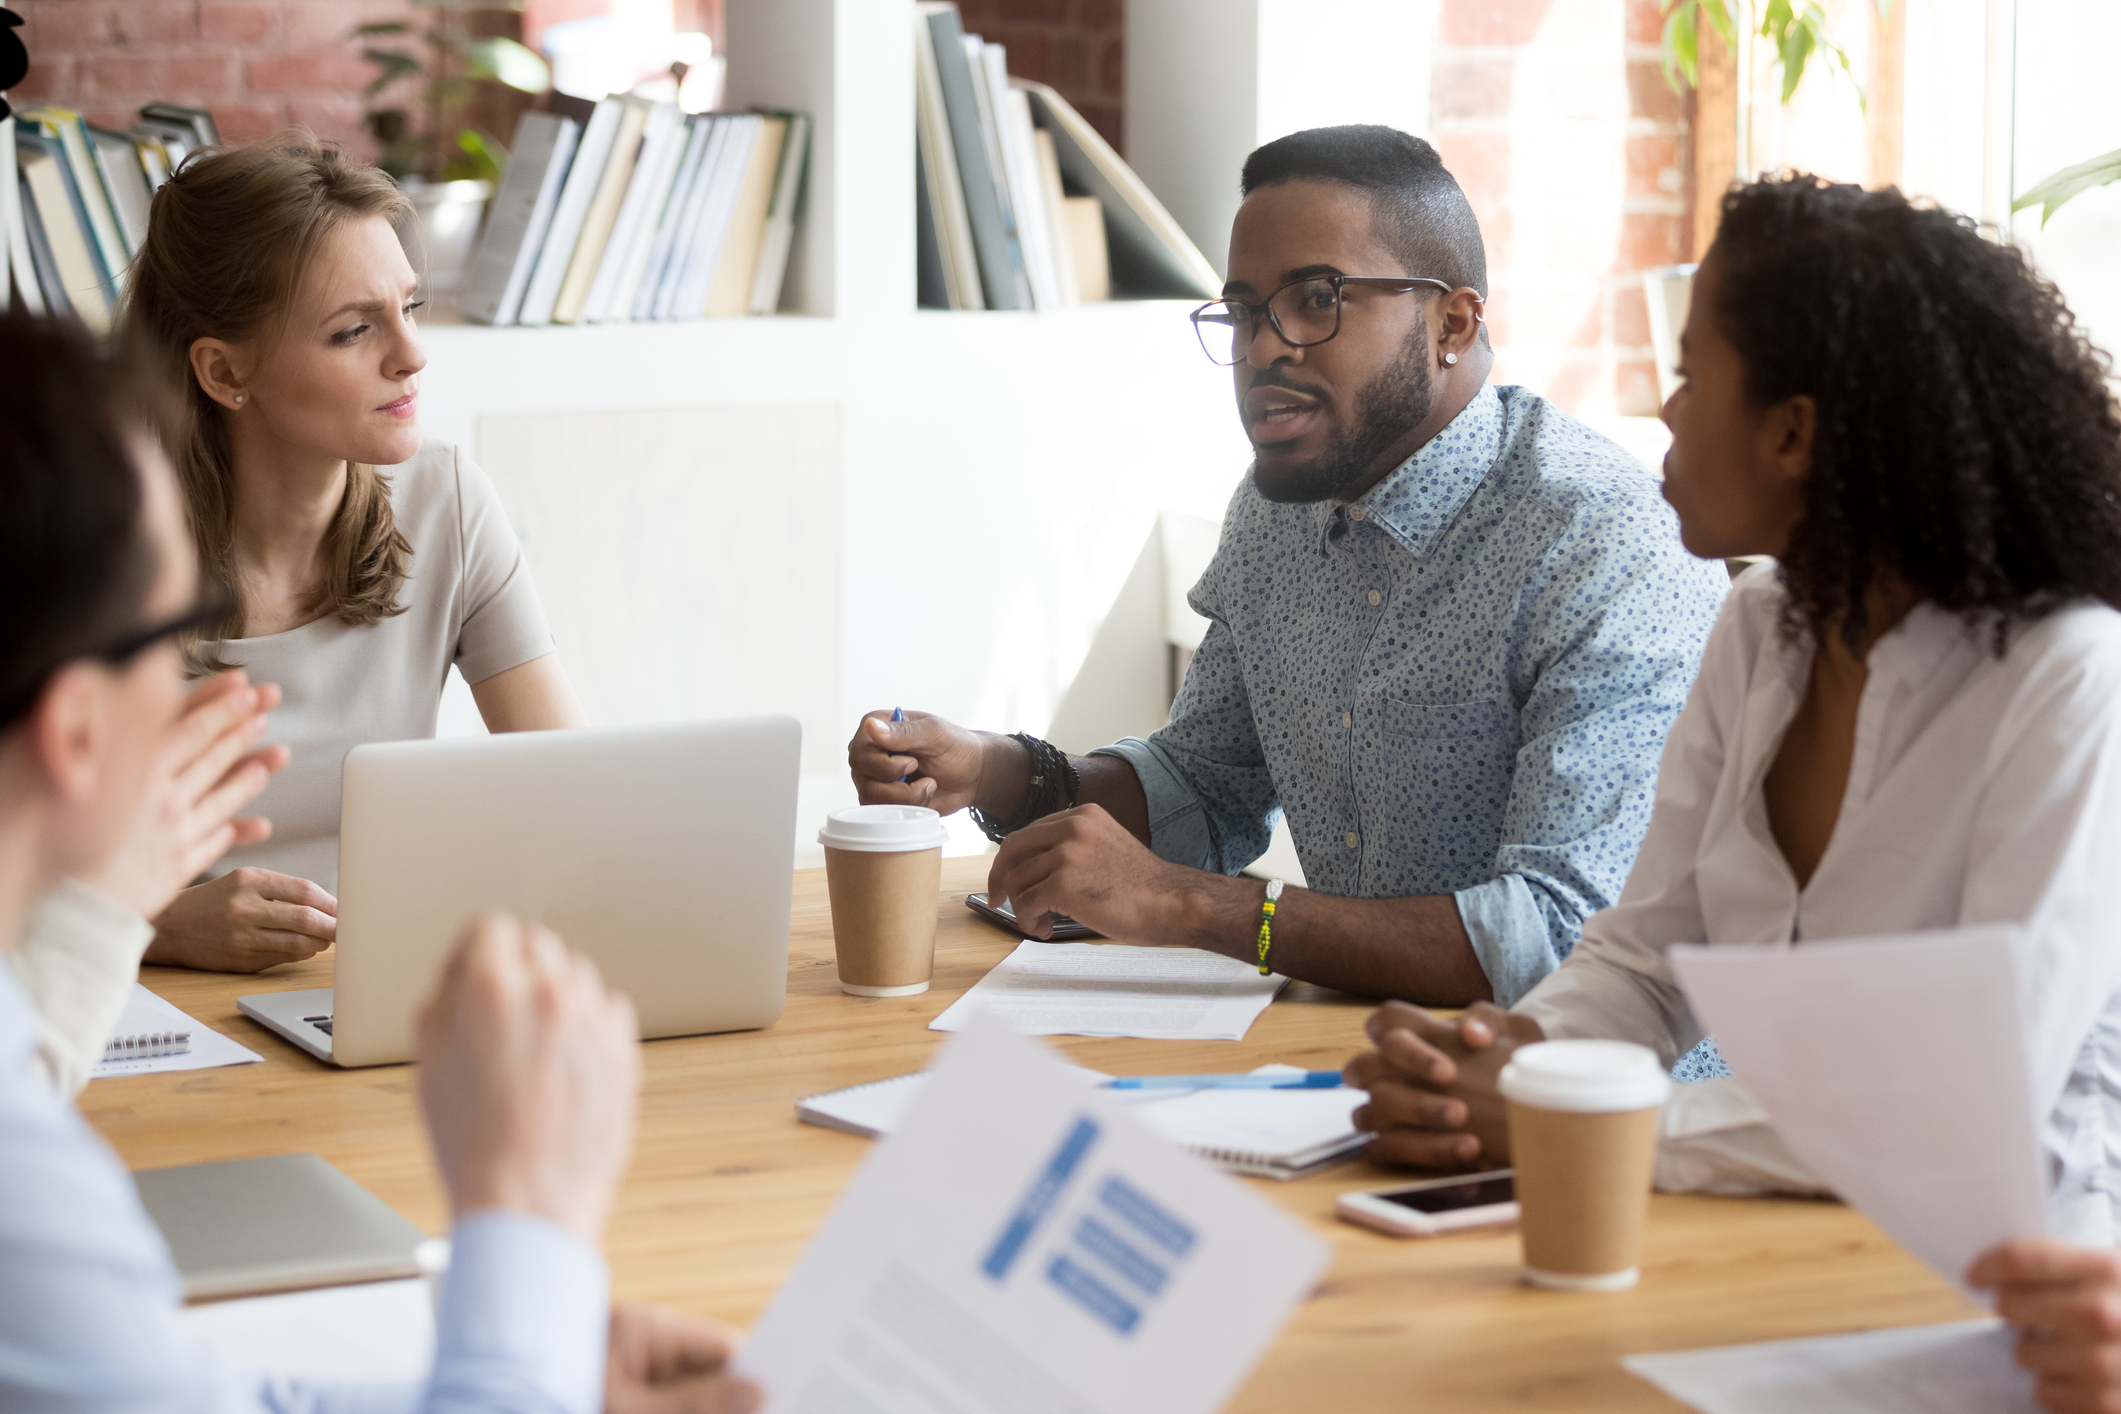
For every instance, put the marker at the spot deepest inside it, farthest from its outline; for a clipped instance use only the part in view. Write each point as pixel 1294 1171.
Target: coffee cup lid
pixel 883 829
pixel 1588 1077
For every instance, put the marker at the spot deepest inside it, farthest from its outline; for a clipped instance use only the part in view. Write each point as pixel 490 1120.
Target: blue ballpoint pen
pixel 1308 1080
pixel 898 715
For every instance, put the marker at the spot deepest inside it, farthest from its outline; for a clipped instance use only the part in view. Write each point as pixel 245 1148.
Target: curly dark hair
pixel 1967 440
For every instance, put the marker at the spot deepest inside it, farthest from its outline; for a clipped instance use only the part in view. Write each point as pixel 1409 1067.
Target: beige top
pixel 469 601
pixel 77 957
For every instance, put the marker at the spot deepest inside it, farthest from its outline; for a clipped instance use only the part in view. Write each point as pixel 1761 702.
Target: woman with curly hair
pixel 360 559
pixel 1910 720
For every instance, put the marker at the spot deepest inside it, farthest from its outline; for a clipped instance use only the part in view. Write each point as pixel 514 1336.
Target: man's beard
pixel 1397 399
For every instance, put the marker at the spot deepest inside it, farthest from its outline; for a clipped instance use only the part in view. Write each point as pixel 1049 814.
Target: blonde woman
pixel 362 561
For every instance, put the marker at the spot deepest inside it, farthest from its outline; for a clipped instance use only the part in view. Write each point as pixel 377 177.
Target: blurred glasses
pixel 1304 313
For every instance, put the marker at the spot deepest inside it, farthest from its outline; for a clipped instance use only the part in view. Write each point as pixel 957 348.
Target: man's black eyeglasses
pixel 210 613
pixel 1305 313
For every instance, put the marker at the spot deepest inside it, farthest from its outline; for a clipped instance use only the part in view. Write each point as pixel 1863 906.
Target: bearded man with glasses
pixel 1449 628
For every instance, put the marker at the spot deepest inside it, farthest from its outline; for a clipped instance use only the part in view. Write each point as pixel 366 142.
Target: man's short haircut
pixel 1421 213
pixel 75 562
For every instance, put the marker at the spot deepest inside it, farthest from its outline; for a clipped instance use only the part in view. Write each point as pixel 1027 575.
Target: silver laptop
pixel 664 853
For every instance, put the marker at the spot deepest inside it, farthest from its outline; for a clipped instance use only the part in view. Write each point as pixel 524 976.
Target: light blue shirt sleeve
pixel 1210 794
pixel 1609 652
pixel 89 1298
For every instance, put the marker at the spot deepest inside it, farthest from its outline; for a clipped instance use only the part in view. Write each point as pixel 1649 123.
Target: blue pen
pixel 1308 1080
pixel 899 715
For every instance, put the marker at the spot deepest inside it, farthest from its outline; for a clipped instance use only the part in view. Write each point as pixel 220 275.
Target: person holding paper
pixel 529 1073
pixel 1449 629
pixel 1908 722
pixel 2066 1302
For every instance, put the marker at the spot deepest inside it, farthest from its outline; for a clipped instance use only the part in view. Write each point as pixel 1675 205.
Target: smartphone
pixel 1434 1206
pixel 1065 929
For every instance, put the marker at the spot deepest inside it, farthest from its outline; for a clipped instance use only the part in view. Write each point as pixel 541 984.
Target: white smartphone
pixel 1434 1206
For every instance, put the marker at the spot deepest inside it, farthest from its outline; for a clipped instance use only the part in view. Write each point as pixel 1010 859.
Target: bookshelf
pixel 856 503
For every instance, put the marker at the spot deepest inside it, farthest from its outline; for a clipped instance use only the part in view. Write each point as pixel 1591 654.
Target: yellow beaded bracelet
pixel 1266 922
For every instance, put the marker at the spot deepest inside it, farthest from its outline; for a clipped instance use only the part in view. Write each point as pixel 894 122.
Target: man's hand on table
pixel 1434 1097
pixel 530 1071
pixel 662 1362
pixel 1085 864
pixel 2066 1303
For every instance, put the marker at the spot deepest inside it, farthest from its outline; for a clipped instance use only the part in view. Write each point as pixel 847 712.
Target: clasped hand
pixel 1435 1101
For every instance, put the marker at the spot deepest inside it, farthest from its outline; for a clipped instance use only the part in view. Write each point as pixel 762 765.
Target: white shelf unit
pixel 855 505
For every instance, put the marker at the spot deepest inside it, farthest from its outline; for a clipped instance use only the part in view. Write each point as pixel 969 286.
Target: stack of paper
pixel 1109 989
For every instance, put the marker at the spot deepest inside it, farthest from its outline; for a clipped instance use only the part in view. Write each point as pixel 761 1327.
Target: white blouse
pixel 1982 790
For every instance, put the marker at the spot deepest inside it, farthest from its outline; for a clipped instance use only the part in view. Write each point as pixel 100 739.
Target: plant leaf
pixel 1682 68
pixel 394 66
pixel 1719 13
pixel 380 27
pixel 505 61
pixel 2071 181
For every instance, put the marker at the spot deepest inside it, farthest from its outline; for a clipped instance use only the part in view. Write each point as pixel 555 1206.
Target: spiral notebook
pixel 1279 1134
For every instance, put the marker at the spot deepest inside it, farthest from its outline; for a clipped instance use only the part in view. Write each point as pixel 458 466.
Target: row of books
pixel 74 199
pixel 640 212
pixel 1020 204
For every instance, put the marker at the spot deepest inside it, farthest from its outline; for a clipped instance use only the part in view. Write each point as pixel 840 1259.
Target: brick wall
pixel 1555 117
pixel 258 64
pixel 1075 45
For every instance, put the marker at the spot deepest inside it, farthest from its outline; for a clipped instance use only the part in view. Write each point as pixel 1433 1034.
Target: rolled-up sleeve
pixel 1211 797
pixel 1613 631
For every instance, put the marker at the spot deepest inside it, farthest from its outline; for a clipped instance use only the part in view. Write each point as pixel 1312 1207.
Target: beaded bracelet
pixel 1266 922
pixel 1053 780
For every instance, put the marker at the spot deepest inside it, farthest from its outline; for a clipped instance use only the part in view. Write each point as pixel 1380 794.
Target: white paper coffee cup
pixel 884 871
pixel 1583 1139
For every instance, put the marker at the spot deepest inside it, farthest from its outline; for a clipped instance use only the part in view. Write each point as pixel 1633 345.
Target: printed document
pixel 1962 1368
pixel 1022 1245
pixel 1111 989
pixel 1896 1068
pixel 378 1330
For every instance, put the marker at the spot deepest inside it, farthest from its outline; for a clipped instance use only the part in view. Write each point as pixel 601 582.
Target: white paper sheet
pixel 1112 989
pixel 380 1330
pixel 1895 1068
pixel 144 1011
pixel 1963 1368
pixel 1020 1245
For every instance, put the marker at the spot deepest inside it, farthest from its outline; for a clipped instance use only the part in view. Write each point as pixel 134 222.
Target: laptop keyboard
pixel 322 1023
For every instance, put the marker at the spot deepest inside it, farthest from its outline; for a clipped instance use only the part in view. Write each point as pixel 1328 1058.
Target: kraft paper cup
pixel 1583 1137
pixel 884 869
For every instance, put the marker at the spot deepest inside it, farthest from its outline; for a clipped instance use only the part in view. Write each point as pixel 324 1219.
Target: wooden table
pixel 726 1188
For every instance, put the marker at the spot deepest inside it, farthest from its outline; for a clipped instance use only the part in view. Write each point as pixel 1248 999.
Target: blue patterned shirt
pixel 1459 684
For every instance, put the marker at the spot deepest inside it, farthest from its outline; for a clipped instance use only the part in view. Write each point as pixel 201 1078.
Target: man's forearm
pixel 1411 949
pixel 1109 781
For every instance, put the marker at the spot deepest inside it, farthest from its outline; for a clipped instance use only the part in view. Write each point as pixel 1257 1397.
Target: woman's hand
pixel 245 921
pixel 661 1362
pixel 2066 1303
pixel 204 774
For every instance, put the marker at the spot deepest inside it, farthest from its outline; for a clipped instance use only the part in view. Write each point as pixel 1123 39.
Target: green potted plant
pixel 446 165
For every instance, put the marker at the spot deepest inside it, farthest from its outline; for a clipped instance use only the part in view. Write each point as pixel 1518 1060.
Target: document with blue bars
pixel 1019 1245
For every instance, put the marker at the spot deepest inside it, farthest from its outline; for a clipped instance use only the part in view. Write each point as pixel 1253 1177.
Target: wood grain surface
pixel 726 1187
